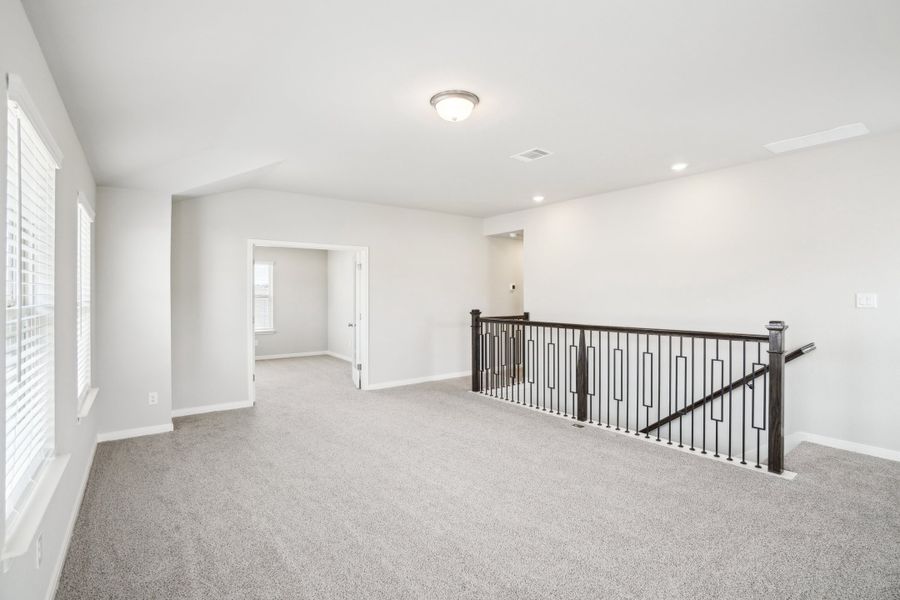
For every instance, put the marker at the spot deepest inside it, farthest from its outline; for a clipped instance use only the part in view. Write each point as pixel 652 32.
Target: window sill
pixel 84 406
pixel 264 331
pixel 27 523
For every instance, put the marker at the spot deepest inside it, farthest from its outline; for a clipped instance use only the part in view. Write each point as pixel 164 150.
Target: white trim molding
pixel 793 440
pixel 18 93
pixel 292 355
pixel 70 528
pixel 87 401
pixel 123 434
pixel 338 356
pixel 26 525
pixel 415 380
pixel 199 410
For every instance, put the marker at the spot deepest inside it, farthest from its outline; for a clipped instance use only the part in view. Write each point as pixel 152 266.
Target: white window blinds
pixel 263 308
pixel 30 210
pixel 83 301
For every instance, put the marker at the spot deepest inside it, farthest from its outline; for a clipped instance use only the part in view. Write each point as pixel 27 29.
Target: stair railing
pixel 709 391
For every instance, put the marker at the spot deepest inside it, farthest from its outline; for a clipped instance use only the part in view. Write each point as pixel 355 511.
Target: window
pixel 83 300
pixel 30 215
pixel 263 297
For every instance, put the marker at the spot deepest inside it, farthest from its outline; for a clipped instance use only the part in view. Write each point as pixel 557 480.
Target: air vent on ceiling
pixel 820 137
pixel 530 155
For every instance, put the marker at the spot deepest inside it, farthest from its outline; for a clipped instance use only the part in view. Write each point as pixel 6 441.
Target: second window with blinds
pixel 83 307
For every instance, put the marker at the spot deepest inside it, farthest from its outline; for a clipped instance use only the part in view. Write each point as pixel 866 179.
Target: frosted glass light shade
pixel 454 105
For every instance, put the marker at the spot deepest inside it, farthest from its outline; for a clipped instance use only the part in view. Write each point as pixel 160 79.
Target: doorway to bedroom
pixel 307 303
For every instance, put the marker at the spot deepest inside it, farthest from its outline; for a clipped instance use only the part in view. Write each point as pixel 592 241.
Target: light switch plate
pixel 866 300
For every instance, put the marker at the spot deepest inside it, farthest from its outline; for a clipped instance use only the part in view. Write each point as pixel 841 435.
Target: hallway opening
pixel 307 300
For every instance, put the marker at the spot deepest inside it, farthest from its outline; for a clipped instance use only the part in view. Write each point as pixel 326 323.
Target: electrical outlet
pixel 866 300
pixel 39 550
pixel 153 398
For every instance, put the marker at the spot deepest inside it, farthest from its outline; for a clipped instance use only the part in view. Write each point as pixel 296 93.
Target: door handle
pixel 351 324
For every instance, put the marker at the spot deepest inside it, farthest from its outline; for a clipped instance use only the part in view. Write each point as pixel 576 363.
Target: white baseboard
pixel 70 528
pixel 794 439
pixel 338 356
pixel 136 432
pixel 199 410
pixel 291 355
pixel 402 382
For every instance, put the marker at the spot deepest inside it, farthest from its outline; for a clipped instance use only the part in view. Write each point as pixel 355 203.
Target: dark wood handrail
pixel 746 337
pixel 737 383
pixel 516 364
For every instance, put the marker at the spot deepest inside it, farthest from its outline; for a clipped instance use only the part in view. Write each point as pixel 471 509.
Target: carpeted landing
pixel 427 491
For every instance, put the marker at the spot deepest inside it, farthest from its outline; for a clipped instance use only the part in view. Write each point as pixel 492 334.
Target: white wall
pixel 791 238
pixel 133 298
pixel 301 301
pixel 341 264
pixel 505 266
pixel 427 271
pixel 20 54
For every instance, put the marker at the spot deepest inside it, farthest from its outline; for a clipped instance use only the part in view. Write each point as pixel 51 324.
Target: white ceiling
pixel 331 98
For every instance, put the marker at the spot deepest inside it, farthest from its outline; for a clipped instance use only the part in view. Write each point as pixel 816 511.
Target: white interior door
pixel 356 364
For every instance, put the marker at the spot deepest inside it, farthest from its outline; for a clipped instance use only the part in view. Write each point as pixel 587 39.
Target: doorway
pixel 306 299
pixel 506 291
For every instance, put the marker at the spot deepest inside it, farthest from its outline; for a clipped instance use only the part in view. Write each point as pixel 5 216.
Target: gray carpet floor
pixel 427 491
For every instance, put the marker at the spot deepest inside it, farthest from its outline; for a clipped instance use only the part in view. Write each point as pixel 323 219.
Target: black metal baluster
pixel 505 369
pixel 619 373
pixel 588 369
pixel 627 379
pixel 763 399
pixel 525 371
pixel 544 369
pixel 712 412
pixel 658 384
pixel 610 378
pixel 744 405
pixel 638 383
pixel 670 390
pixel 557 378
pixel 703 450
pixel 566 350
pixel 689 399
pixel 490 370
pixel 599 382
pixel 730 390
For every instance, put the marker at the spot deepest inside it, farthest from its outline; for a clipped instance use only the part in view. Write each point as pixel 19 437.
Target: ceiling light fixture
pixel 454 105
pixel 679 166
pixel 538 198
pixel 512 235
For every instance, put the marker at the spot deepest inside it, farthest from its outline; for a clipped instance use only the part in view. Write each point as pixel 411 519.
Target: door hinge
pixel 358 367
pixel 254 377
pixel 359 266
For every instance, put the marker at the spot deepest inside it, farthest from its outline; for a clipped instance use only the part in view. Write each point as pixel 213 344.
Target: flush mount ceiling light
pixel 538 198
pixel 454 105
pixel 681 166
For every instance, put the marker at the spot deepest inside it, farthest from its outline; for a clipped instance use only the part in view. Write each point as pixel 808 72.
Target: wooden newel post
pixel 581 379
pixel 476 350
pixel 776 395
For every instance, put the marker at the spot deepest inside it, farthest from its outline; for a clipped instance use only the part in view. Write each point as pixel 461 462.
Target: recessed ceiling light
pixel 679 166
pixel 454 105
pixel 538 198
